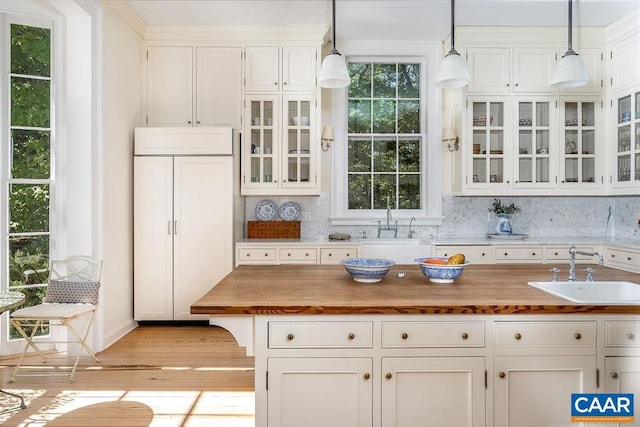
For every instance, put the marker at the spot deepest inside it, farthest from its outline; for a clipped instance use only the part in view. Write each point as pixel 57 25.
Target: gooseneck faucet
pixel 390 227
pixel 411 232
pixel 572 261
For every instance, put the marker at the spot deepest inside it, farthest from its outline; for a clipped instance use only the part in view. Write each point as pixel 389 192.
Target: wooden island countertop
pixel 328 289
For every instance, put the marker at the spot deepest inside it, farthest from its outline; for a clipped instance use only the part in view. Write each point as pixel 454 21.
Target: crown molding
pixel 127 14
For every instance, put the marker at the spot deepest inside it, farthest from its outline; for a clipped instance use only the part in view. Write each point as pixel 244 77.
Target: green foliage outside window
pixel 384 141
pixel 30 168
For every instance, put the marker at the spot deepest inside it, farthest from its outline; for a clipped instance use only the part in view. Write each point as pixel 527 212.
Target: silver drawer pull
pixel 290 337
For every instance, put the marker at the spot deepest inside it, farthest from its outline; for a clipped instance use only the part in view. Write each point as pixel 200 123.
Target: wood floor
pixel 157 375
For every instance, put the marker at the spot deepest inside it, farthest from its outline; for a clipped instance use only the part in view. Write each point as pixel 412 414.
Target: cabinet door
pixel 622 375
pixel 489 69
pixel 299 152
pixel 433 391
pixel 580 165
pixel 153 238
pixel 481 254
pixel 218 86
pixel 169 86
pixel 624 64
pixel 299 68
pixel 537 157
pixel 536 391
pixel 320 392
pixel 203 248
pixel 261 148
pixel 489 168
pixel 262 69
pixel 532 69
pixel 593 59
pixel 627 134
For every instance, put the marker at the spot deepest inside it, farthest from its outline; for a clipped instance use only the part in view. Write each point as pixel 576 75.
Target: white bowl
pixel 367 270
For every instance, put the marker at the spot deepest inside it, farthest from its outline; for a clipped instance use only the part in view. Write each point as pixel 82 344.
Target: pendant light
pixel 333 73
pixel 453 71
pixel 570 71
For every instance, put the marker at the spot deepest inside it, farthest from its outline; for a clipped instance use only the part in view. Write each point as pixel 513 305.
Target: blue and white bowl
pixel 367 270
pixel 441 273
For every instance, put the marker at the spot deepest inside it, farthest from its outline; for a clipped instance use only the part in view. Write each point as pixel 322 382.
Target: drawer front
pixel 622 334
pixel 545 334
pixel 257 255
pixel 622 257
pixel 506 253
pixel 320 334
pixel 335 255
pixel 432 334
pixel 298 255
pixel 473 254
pixel 562 254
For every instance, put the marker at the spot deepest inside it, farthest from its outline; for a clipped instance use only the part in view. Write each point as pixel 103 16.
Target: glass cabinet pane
pixel 533 142
pixel 262 141
pixel 624 109
pixel 628 144
pixel 579 141
pixel 488 142
pixel 298 142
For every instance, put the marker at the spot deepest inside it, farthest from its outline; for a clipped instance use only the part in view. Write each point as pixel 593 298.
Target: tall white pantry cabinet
pixel 183 218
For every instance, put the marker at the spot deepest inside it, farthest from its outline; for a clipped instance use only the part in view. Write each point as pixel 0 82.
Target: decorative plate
pixel 289 211
pixel 266 210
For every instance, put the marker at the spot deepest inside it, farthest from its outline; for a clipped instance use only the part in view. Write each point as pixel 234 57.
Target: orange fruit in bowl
pixel 435 261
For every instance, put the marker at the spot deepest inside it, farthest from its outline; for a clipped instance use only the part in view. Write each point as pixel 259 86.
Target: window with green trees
pixel 29 172
pixel 385 136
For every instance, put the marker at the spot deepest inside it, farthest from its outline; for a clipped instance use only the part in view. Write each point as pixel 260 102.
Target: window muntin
pixel 385 137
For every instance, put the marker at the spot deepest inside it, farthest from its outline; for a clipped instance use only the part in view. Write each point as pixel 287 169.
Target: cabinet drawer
pixel 335 255
pixel 432 334
pixel 545 334
pixel 518 254
pixel 257 255
pixel 298 255
pixel 474 254
pixel 622 334
pixel 320 334
pixel 623 258
pixel 562 254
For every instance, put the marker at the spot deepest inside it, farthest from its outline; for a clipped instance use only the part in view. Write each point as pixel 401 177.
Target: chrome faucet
pixel 390 227
pixel 411 232
pixel 572 262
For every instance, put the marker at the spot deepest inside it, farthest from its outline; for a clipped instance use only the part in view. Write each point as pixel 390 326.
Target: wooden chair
pixel 72 291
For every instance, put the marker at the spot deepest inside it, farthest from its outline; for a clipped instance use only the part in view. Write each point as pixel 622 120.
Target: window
pixel 27 173
pixel 386 160
pixel 384 136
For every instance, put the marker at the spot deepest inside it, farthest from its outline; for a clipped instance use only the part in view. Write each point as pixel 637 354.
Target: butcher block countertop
pixel 328 289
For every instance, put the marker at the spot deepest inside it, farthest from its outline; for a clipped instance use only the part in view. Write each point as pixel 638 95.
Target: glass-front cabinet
pixel 535 164
pixel 627 137
pixel 279 156
pixel 489 145
pixel 297 166
pixel 579 146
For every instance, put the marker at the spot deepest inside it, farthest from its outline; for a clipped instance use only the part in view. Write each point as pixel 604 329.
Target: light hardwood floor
pixel 157 375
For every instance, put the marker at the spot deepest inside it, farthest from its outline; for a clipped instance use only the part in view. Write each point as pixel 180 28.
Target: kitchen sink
pixel 597 292
pixel 401 251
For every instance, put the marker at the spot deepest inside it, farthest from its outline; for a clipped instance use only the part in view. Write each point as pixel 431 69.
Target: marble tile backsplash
pixel 470 217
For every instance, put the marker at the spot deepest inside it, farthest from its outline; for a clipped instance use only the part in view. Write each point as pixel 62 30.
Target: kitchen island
pixel 488 350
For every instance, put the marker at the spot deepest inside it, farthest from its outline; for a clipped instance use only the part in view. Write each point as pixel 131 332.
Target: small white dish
pixel 289 211
pixel 266 210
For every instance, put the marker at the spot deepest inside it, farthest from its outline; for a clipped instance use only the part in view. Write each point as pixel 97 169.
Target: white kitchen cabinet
pixel 433 391
pixel 593 60
pixel 622 258
pixel 320 392
pixel 174 98
pixel 625 151
pixel 518 254
pixel 280 154
pixel 333 255
pixel 622 375
pixel 286 68
pixel 182 204
pixel 293 254
pixel 624 62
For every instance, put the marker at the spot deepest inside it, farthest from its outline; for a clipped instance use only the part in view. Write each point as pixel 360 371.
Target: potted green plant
pixel 504 212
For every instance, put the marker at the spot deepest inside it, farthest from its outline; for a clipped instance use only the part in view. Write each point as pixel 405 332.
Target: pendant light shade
pixel 333 73
pixel 453 71
pixel 570 71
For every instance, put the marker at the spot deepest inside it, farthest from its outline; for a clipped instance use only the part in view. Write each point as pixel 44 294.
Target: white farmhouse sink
pixel 400 251
pixel 598 292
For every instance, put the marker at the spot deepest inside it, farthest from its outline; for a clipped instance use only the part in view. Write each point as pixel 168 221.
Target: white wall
pixel 122 53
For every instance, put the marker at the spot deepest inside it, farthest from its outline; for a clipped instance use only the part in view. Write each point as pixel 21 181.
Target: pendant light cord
pixel 453 38
pixel 333 26
pixel 570 27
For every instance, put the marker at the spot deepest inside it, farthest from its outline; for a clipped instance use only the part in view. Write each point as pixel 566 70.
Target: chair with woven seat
pixel 72 292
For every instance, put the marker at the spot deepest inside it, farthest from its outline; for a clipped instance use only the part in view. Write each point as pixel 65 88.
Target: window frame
pixel 430 212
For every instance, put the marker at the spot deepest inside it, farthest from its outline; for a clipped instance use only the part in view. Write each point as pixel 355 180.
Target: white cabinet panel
pixel 320 392
pixel 218 86
pixel 532 69
pixel 490 70
pixel 433 391
pixel 625 62
pixel 169 86
pixel 299 68
pixel 262 69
